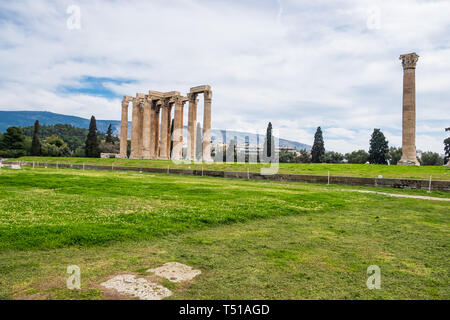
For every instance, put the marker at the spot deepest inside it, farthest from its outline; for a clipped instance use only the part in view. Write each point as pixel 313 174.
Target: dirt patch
pixel 137 287
pixel 175 272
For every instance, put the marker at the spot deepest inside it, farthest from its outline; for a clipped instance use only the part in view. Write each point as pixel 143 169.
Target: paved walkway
pixel 399 195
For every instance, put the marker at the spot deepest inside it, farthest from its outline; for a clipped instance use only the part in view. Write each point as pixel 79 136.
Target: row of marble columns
pixel 151 138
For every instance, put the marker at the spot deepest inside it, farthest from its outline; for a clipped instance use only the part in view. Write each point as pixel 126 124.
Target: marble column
pixel 124 129
pixel 164 128
pixel 169 133
pixel 146 133
pixel 156 126
pixel 141 128
pixel 178 130
pixel 135 129
pixel 409 110
pixel 152 128
pixel 207 127
pixel 192 126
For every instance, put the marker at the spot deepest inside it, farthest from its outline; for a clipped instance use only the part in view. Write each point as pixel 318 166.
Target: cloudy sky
pixel 297 63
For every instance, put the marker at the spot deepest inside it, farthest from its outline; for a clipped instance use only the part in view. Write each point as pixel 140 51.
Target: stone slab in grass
pixel 137 287
pixel 175 272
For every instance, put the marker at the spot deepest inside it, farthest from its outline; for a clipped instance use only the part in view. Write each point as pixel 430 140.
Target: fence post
pixel 328 177
pixel 429 185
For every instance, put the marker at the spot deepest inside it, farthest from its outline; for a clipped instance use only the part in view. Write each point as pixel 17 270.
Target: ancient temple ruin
pixel 151 133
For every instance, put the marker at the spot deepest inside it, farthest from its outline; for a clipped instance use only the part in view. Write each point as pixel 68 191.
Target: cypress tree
pixel 379 149
pixel 269 140
pixel 447 148
pixel 318 149
pixel 92 148
pixel 36 146
pixel 109 138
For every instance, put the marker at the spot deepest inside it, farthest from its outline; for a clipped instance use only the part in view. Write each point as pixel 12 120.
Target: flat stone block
pixel 140 287
pixel 175 272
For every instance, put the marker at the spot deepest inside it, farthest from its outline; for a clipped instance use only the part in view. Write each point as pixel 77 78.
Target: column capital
pixel 208 95
pixel 409 60
pixel 192 96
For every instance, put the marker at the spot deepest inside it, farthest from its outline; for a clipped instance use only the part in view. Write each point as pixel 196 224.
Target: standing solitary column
pixel 409 110
pixel 207 127
pixel 135 129
pixel 164 128
pixel 146 144
pixel 124 129
pixel 192 125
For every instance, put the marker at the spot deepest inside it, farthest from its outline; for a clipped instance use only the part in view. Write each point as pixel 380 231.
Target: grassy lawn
pixel 348 170
pixel 251 239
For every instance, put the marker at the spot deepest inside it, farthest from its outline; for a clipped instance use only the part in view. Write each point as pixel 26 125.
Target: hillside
pixel 27 118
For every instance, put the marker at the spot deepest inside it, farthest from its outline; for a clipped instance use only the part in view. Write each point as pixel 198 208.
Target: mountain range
pixel 27 118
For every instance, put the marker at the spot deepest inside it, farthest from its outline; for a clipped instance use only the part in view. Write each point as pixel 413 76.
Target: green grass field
pixel 251 239
pixel 348 170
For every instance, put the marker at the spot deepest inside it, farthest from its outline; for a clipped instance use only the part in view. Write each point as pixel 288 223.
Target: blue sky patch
pixel 96 86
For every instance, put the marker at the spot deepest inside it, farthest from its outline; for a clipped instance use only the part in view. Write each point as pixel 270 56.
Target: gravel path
pixel 400 195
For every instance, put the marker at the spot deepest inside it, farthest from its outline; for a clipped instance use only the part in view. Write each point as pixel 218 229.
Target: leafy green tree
pixel 13 143
pixel 332 157
pixel 74 137
pixel 360 156
pixel 109 137
pixel 395 154
pixel 431 159
pixel 56 141
pixel 92 144
pixel 379 149
pixel 318 149
pixel 304 157
pixel 287 157
pixel 36 146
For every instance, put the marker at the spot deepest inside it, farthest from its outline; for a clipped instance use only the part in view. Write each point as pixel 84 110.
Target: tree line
pixel 379 153
pixel 59 140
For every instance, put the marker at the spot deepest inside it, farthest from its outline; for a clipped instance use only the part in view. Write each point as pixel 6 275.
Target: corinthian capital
pixel 409 60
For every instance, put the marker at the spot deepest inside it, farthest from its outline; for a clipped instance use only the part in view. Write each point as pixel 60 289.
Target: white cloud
pixel 315 65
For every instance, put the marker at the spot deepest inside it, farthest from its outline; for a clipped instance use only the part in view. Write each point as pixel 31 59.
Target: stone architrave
pixel 409 156
pixel 151 130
